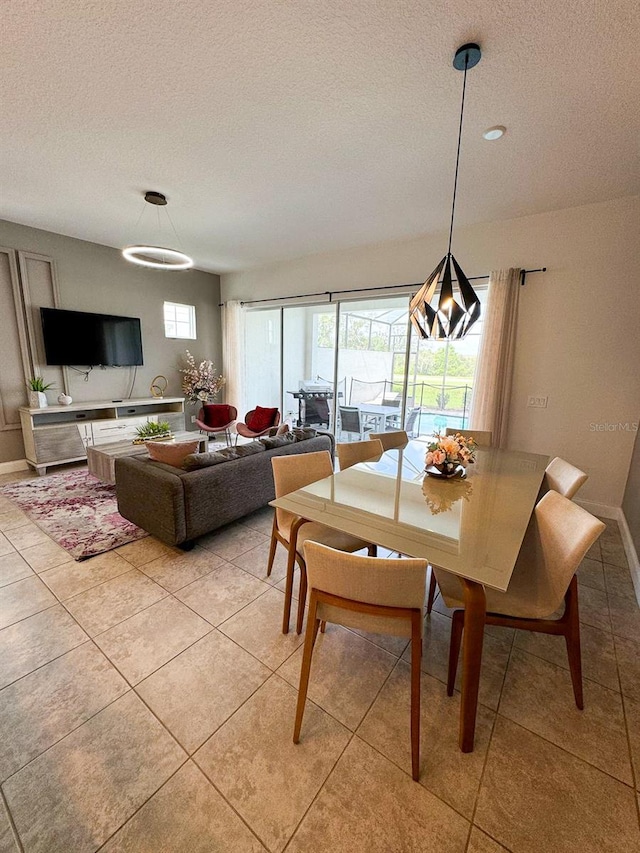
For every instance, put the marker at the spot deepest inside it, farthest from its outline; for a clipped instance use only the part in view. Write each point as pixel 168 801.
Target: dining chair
pixel 563 477
pixel 351 421
pixel 385 596
pixel 559 535
pixel 351 452
pixel 291 473
pixel 482 437
pixel 390 440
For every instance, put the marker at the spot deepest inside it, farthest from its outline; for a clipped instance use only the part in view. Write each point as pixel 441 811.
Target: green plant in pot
pixel 37 396
pixel 152 431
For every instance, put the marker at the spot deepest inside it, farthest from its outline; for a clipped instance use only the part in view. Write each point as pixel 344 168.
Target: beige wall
pixel 631 503
pixel 578 330
pixel 96 278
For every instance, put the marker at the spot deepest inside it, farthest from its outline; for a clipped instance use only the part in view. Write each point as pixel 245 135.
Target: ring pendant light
pixel 158 257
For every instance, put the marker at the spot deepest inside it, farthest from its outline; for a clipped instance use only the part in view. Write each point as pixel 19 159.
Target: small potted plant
pixel 37 396
pixel 152 431
pixel 449 455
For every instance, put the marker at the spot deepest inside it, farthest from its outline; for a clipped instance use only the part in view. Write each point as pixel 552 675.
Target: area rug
pixel 76 510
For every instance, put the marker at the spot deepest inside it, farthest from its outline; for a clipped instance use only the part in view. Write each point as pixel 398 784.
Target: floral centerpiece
pixel 200 382
pixel 449 455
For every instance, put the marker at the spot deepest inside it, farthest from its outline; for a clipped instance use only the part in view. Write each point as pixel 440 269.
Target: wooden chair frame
pixel 567 626
pixel 313 624
pixel 294 557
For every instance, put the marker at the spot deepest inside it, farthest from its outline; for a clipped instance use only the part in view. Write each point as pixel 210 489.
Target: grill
pixel 313 407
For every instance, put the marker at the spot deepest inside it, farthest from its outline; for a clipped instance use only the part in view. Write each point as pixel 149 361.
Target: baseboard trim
pixel 630 550
pixel 12 467
pixel 601 510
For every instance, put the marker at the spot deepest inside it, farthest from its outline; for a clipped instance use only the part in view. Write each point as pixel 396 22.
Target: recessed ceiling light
pixel 494 132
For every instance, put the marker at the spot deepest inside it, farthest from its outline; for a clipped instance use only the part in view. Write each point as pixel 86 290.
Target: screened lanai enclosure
pixel 354 367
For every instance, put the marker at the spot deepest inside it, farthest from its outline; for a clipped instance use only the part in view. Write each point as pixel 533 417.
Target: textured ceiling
pixel 279 128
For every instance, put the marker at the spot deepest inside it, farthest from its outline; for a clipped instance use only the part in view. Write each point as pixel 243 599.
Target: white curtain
pixel 233 354
pixel 494 370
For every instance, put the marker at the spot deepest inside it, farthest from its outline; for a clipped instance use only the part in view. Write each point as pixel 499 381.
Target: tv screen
pixel 77 337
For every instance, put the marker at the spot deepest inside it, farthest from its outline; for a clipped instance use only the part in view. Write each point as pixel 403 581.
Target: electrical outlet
pixel 537 402
pixel 193 419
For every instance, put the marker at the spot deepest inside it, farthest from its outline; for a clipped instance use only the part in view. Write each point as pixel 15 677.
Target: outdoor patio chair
pixel 351 422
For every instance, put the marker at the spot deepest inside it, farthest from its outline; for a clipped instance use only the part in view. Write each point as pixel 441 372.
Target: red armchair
pixel 216 418
pixel 258 422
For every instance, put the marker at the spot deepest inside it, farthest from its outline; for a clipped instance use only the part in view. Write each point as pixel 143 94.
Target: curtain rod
pixel 332 293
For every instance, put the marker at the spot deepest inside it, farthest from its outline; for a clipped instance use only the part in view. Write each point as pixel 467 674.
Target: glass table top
pixel 473 527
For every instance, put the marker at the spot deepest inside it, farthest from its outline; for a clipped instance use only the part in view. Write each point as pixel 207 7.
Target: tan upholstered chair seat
pixel 314 532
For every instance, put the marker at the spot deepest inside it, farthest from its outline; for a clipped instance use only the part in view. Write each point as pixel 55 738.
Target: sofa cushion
pixel 217 414
pixel 195 461
pixel 171 453
pixel 271 442
pixel 206 460
pixel 260 419
pixel 303 433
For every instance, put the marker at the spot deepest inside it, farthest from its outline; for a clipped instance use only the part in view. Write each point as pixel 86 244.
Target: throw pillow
pixel 194 461
pixel 171 453
pixel 261 419
pixel 217 414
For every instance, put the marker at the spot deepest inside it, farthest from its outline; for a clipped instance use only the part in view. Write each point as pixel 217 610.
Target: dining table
pixel 472 527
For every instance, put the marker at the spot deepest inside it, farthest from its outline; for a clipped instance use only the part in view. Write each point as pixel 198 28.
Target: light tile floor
pixel 147 700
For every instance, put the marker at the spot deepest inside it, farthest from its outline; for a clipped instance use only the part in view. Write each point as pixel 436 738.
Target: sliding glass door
pixel 308 358
pixel 386 376
pixel 262 351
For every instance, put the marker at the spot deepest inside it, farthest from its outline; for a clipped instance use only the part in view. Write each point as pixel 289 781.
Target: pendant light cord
pixel 455 180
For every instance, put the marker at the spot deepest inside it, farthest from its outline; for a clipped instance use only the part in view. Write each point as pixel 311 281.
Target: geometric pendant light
pixel 445 309
pixel 158 257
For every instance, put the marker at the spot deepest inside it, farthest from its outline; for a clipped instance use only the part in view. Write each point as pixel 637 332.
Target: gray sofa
pixel 179 505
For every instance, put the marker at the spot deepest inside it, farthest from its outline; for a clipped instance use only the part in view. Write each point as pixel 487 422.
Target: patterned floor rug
pixel 76 510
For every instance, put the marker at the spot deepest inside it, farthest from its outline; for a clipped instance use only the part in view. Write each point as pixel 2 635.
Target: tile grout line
pixel 14 830
pixel 122 825
pixel 486 757
pixel 352 734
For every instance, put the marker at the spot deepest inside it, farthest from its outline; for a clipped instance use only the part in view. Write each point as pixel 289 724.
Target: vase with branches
pixel 200 382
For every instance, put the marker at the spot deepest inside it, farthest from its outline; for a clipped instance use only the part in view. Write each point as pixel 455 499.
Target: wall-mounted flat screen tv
pixel 77 337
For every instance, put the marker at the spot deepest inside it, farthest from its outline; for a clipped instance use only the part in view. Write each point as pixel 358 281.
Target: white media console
pixel 58 434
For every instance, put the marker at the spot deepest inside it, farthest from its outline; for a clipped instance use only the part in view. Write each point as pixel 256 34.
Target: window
pixel 179 320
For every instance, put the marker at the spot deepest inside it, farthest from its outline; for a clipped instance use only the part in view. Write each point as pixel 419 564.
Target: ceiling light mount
pixel 449 318
pixel 154 197
pixel 158 257
pixel 495 132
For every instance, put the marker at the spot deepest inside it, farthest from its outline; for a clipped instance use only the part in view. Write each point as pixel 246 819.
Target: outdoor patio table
pixel 379 414
pixel 472 527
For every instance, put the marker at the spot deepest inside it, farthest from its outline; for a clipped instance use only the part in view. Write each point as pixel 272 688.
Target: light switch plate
pixel 537 402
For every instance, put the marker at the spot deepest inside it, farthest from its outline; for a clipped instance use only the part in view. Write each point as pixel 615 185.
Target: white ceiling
pixel 280 128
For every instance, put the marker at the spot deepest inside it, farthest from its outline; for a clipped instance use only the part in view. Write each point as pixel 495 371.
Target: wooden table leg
pixel 475 608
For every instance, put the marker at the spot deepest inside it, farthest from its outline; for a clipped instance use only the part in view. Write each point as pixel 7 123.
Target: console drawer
pixel 106 432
